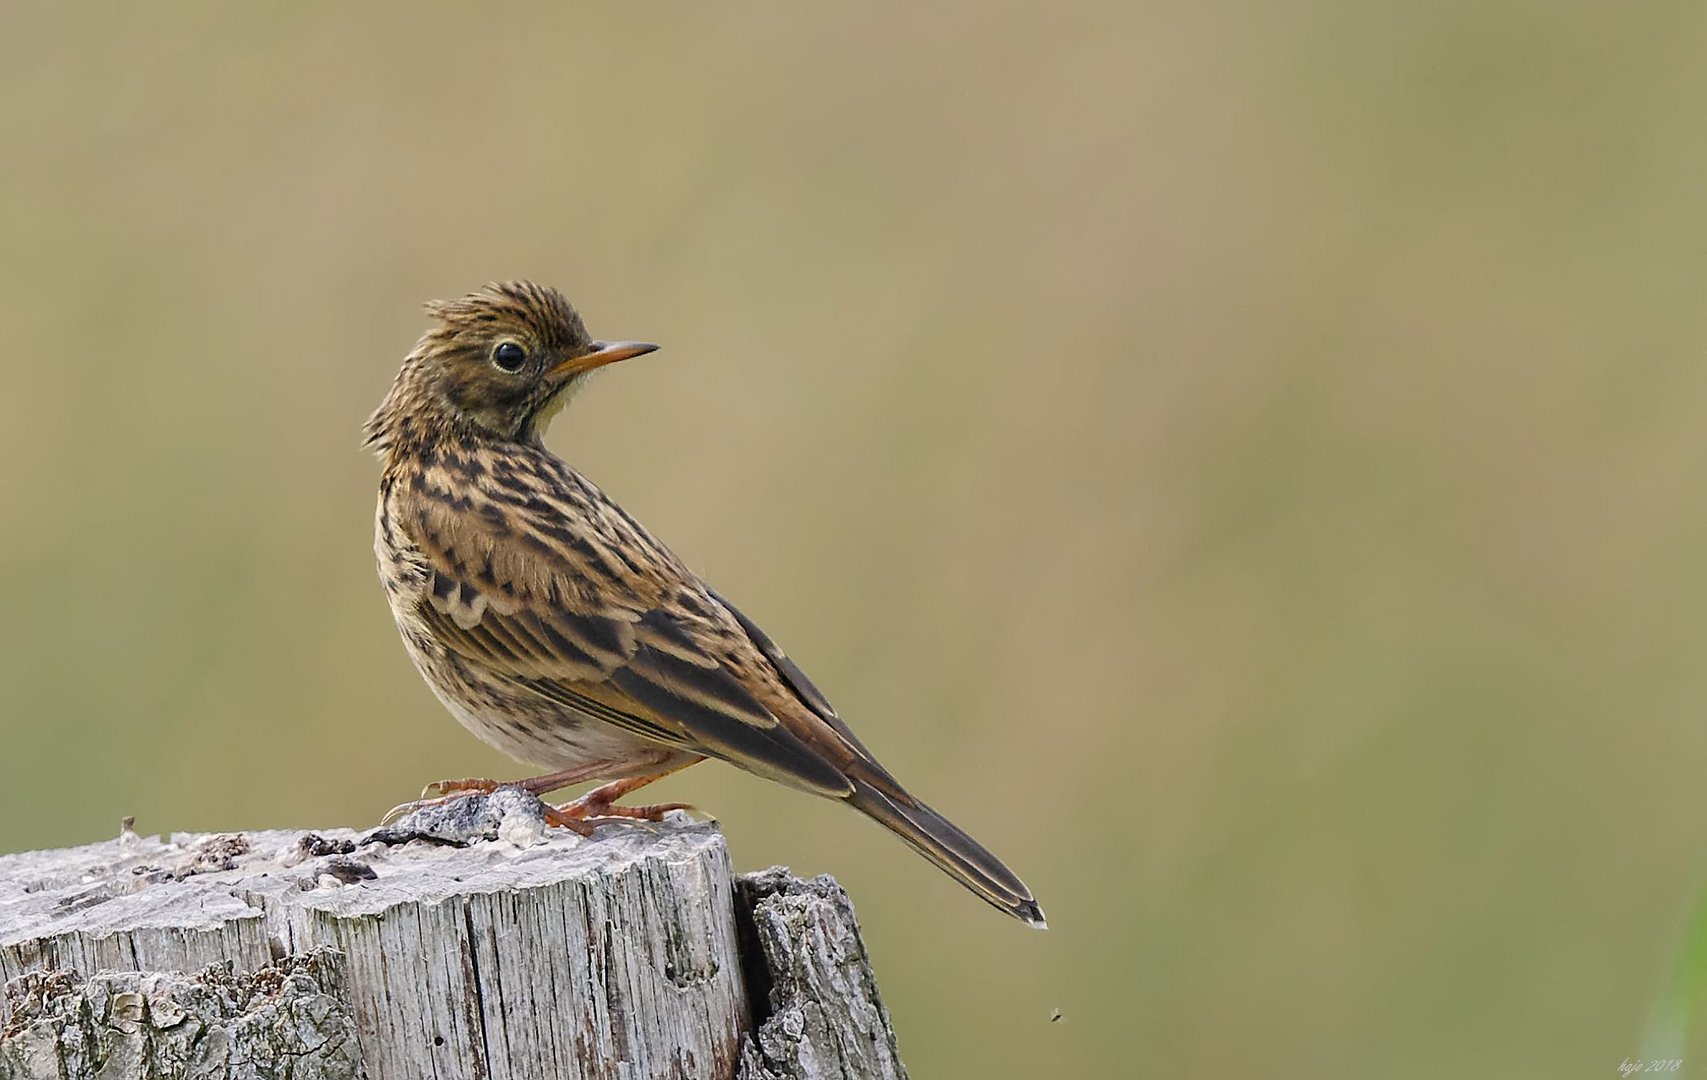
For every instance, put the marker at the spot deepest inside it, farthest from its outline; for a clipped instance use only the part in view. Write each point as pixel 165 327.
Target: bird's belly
pixel 530 728
pixel 507 717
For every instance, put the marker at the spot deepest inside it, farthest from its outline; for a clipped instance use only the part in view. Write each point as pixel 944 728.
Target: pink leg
pixel 441 792
pixel 601 801
pixel 533 785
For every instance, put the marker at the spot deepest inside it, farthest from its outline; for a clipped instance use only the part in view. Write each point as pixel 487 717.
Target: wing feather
pixel 608 625
pixel 797 681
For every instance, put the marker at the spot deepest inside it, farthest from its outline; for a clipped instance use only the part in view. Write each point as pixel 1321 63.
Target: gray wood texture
pixel 467 941
pixel 808 973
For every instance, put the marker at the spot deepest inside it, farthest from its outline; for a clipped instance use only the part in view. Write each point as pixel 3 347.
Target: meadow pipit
pixel 553 626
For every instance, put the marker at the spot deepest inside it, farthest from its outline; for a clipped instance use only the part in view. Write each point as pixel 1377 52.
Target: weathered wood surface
pixel 808 973
pixel 513 952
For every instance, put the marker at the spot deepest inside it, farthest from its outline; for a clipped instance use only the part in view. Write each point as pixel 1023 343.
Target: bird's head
pixel 500 364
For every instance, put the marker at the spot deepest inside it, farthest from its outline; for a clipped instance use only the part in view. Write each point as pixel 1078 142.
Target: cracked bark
pixel 813 990
pixel 488 947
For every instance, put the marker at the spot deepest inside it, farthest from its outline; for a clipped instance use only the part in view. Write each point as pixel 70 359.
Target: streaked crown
pixel 500 363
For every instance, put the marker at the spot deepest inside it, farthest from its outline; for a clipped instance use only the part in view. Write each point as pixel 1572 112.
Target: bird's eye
pixel 509 356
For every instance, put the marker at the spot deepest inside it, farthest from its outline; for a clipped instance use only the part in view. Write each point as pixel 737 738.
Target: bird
pixel 553 625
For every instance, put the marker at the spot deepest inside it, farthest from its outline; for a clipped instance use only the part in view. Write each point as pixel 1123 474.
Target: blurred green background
pixel 1244 463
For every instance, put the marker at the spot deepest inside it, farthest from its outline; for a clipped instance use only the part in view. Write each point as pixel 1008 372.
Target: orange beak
pixel 601 353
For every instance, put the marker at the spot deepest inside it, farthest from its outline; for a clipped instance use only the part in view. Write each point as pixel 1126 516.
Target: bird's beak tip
pixel 600 353
pixel 609 352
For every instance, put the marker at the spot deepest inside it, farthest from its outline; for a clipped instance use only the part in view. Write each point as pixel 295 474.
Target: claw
pixel 440 788
pixel 400 811
pixel 601 801
pixel 403 810
pixel 555 816
pixel 588 808
pixel 574 816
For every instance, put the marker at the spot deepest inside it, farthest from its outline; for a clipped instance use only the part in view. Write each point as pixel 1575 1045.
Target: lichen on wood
pixel 279 1021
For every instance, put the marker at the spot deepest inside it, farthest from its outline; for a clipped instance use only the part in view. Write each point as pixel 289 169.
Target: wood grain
pixel 530 953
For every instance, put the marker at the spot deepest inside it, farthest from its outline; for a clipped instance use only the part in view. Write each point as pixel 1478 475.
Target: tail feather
pixel 943 843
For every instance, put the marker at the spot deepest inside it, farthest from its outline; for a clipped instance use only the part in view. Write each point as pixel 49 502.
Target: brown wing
pixel 603 620
pixel 878 795
pixel 809 694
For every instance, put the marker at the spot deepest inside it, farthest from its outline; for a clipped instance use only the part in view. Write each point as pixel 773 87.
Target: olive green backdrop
pixel 1244 462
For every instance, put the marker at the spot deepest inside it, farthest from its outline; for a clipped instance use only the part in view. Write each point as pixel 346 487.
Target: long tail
pixel 880 798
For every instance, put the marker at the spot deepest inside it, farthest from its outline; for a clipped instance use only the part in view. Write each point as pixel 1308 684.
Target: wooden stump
pixel 510 951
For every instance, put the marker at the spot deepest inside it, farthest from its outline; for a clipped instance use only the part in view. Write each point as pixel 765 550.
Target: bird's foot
pixel 533 785
pixel 448 791
pixel 600 803
pixel 440 792
pixel 507 813
pixel 597 804
pixel 604 812
pixel 440 788
pixel 403 810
